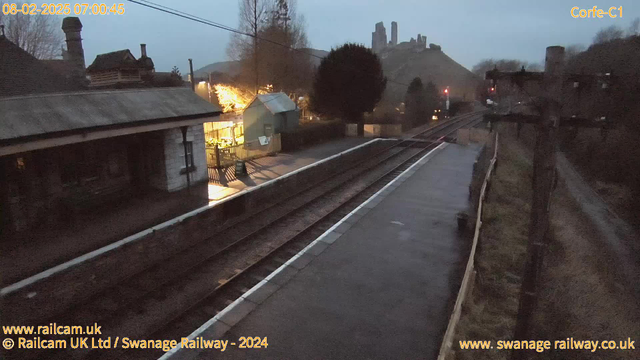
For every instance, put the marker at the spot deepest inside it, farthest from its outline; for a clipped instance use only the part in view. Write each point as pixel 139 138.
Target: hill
pixel 232 68
pixel 399 65
pixel 317 55
pixel 402 65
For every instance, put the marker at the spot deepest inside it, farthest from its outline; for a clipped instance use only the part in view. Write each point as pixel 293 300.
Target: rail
pixel 98 252
pixel 469 274
pixel 241 272
pixel 462 121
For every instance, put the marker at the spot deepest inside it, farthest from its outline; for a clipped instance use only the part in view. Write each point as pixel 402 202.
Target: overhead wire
pixel 204 21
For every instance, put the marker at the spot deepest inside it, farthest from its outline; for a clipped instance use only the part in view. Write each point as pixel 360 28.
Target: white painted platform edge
pixel 169 354
pixel 90 255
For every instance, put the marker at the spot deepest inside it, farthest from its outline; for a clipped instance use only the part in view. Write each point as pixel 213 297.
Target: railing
pixel 112 77
pixel 223 157
pixel 469 274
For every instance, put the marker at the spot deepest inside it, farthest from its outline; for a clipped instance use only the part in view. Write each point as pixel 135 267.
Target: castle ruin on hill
pixel 379 41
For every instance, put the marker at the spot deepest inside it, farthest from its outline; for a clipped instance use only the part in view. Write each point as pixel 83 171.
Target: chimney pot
pixel 143 50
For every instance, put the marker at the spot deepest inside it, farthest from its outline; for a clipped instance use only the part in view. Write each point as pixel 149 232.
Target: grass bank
pixel 580 297
pixel 490 312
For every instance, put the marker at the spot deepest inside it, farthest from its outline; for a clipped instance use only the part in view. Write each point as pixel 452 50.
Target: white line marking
pixel 90 255
pixel 216 318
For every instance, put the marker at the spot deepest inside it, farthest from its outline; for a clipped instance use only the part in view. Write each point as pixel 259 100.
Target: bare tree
pixel 634 28
pixel 608 34
pixel 286 66
pixel 268 58
pixel 508 90
pixel 503 65
pixel 243 48
pixel 572 51
pixel 39 35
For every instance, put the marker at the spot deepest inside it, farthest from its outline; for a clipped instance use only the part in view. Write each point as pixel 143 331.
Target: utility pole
pixel 255 42
pixel 544 165
pixel 283 15
pixel 544 162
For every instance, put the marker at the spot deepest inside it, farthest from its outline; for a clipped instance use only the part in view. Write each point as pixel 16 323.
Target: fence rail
pixel 224 157
pixel 469 274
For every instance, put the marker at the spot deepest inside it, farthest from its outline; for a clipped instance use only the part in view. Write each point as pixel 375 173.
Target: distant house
pixel 70 152
pixel 121 68
pixel 269 114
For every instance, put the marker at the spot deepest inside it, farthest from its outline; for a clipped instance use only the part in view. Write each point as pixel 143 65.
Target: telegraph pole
pixel 255 42
pixel 544 164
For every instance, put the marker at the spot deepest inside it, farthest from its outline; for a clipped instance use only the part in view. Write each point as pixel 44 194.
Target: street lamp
pixel 446 92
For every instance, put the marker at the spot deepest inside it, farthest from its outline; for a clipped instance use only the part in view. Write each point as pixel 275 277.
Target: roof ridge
pixel 84 92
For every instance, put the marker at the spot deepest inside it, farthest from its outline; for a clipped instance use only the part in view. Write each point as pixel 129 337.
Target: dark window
pixel 115 165
pixel 268 130
pixel 69 165
pixel 17 176
pixel 190 162
pixel 79 163
pixel 89 164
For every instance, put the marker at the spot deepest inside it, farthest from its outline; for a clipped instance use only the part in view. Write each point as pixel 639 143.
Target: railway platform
pixel 223 182
pixel 379 284
pixel 38 249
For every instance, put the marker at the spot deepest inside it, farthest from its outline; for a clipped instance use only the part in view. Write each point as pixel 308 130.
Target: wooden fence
pixel 470 272
pixel 223 157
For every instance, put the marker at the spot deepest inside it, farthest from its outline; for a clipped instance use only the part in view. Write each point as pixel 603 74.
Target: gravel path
pixel 617 235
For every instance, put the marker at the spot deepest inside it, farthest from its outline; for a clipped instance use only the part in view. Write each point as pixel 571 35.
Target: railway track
pixel 173 298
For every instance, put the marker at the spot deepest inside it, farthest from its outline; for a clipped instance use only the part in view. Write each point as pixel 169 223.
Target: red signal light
pixel 446 91
pixel 493 89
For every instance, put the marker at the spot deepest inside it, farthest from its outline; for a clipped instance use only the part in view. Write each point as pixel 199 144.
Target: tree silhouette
pixel 421 101
pixel 608 34
pixel 348 83
pixel 39 35
pixel 415 101
pixel 432 98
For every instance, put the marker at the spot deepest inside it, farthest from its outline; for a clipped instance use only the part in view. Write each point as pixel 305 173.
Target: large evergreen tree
pixel 414 101
pixel 348 83
pixel 420 102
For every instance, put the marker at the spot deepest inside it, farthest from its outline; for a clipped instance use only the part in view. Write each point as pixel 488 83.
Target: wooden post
pixel 217 151
pixel 543 179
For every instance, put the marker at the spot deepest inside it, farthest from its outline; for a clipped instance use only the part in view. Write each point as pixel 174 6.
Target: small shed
pixel 269 114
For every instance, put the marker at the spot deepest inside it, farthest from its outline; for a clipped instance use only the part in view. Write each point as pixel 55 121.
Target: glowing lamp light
pixel 446 91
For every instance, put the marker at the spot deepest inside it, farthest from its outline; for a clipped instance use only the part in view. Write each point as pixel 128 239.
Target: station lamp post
pixel 446 92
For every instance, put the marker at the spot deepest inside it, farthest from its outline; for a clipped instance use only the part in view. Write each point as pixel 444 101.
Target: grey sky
pixel 468 31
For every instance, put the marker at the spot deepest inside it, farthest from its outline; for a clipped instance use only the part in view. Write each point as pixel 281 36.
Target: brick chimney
pixel 75 54
pixel 143 50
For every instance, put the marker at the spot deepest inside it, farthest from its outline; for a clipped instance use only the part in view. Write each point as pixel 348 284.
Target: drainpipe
pixel 193 84
pixel 186 160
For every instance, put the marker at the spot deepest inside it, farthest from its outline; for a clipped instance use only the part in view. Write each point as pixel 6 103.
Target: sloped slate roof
pixel 23 74
pixel 114 60
pixel 62 67
pixel 276 102
pixel 60 114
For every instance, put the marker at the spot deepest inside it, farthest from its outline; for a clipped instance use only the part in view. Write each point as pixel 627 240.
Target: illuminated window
pixel 20 163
